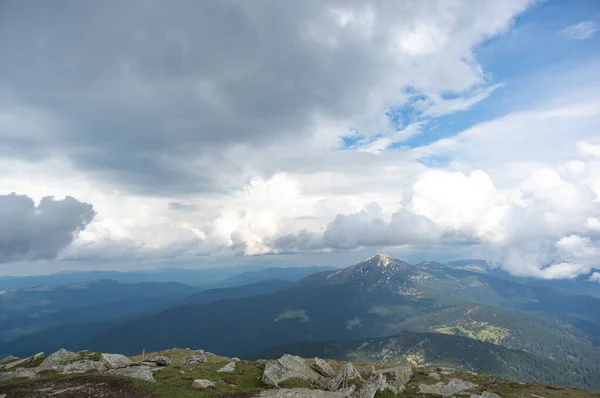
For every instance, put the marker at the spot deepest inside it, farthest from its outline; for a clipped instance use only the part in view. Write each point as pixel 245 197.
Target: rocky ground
pixel 187 373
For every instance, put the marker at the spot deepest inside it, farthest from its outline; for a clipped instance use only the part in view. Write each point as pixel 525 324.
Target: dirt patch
pixel 76 387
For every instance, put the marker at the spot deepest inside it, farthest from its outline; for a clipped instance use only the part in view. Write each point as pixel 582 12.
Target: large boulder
pixel 136 372
pixel 18 362
pixel 289 367
pixel 398 376
pixel 157 360
pixel 229 368
pixel 84 366
pixel 323 367
pixel 347 376
pixel 192 359
pixel 201 384
pixel 8 359
pixel 57 360
pixel 453 387
pixel 373 385
pixel 115 361
pixel 301 393
pixel 19 373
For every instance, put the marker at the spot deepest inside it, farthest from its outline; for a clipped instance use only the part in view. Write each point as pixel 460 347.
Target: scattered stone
pixel 345 378
pixel 192 359
pixel 19 373
pixel 157 368
pixel 236 359
pixel 201 384
pixel 300 393
pixel 229 368
pixel 159 360
pixel 453 387
pixel 288 367
pixel 8 359
pixel 323 367
pixel 115 361
pixel 435 376
pixel 18 362
pixel 84 366
pixel 136 372
pixel 398 376
pixel 58 360
pixel 446 373
pixel 182 371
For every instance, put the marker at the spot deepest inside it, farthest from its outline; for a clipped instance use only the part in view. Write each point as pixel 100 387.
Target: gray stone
pixel 323 367
pixel 84 366
pixel 485 394
pixel 300 393
pixel 19 373
pixel 192 359
pixel 398 376
pixel 115 361
pixel 202 384
pixel 229 368
pixel 136 372
pixel 18 362
pixel 160 360
pixel 236 359
pixel 10 358
pixel 58 360
pixel 347 376
pixel 274 374
pixel 453 387
pixel 371 386
pixel 435 376
pixel 288 367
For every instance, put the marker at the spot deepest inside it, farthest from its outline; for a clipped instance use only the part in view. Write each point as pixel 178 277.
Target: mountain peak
pixel 382 259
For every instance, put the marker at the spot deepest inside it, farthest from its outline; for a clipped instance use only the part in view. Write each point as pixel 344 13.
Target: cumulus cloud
pixel 595 277
pixel 39 232
pixel 581 31
pixel 154 96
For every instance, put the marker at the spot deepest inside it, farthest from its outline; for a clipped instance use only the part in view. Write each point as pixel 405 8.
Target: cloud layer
pixel 219 129
pixel 39 232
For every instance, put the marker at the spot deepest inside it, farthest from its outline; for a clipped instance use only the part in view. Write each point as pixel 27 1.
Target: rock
pixel 453 387
pixel 300 393
pixel 115 361
pixel 446 373
pixel 370 387
pixel 288 367
pixel 57 360
pixel 14 363
pixel 274 374
pixel 157 368
pixel 19 373
pixel 345 378
pixel 229 368
pixel 486 394
pixel 157 360
pixel 323 367
pixel 398 376
pixel 136 372
pixel 435 376
pixel 84 366
pixel 202 384
pixel 10 358
pixel 192 359
pixel 236 359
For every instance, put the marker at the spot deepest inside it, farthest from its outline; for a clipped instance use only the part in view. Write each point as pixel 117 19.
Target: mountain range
pixel 381 308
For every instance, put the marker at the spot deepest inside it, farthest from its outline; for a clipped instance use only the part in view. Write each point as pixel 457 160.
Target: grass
pixel 33 364
pixel 171 382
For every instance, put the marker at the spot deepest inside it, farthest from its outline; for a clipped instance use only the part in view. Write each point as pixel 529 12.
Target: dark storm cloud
pixel 30 232
pixel 150 92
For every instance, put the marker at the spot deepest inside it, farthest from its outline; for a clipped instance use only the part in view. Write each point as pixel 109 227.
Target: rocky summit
pixel 187 373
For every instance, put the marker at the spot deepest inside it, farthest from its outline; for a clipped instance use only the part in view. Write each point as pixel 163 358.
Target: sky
pixel 142 134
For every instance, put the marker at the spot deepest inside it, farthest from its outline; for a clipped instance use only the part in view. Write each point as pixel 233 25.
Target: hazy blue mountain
pixel 80 324
pixel 284 274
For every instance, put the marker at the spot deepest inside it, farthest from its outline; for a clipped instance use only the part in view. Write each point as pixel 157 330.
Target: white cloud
pixel 595 277
pixel 581 31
